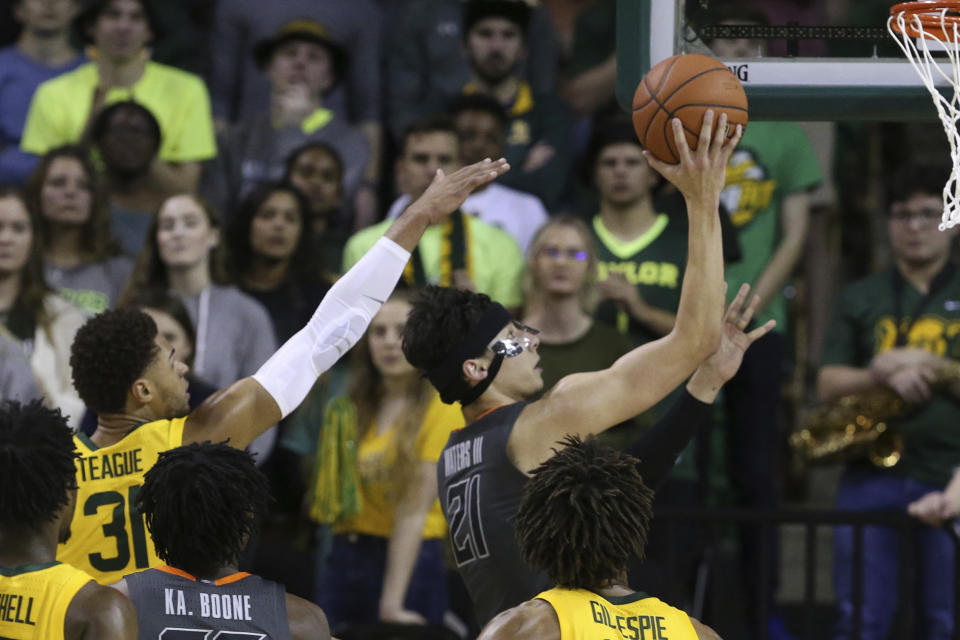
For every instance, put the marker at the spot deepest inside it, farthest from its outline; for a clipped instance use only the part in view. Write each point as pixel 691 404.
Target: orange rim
pixel 931 16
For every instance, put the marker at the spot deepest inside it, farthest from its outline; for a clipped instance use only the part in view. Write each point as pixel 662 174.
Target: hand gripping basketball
pixel 701 173
pixel 685 87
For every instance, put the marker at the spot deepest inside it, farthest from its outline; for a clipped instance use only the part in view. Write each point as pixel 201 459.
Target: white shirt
pixel 518 213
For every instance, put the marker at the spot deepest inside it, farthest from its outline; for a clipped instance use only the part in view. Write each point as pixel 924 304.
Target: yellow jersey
pixel 376 465
pixel 584 615
pixel 34 599
pixel 108 537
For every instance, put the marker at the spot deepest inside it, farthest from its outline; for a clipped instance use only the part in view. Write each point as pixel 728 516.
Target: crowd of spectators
pixel 219 164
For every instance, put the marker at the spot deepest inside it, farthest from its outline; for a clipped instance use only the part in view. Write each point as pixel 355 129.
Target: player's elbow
pixel 698 344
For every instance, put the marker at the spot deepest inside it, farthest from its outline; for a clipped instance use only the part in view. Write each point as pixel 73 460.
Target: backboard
pixel 875 84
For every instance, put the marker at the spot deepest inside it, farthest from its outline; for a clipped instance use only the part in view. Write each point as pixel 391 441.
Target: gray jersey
pixel 176 606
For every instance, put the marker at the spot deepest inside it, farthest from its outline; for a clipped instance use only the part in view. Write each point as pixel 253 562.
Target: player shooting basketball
pixel 474 353
pixel 127 373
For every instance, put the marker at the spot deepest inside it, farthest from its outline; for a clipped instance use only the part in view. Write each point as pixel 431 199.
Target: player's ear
pixel 142 391
pixel 474 369
pixel 214 238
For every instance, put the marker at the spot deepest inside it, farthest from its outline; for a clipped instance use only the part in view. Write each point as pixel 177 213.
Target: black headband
pixel 447 377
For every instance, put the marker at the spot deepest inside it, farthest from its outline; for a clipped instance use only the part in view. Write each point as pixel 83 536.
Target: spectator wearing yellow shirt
pixel 376 483
pixel 63 108
pixel 463 251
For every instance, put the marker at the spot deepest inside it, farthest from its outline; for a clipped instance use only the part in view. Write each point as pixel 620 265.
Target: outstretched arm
pixel 659 447
pixel 246 409
pixel 588 403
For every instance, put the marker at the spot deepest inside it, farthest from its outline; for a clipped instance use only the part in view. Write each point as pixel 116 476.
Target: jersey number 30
pixel 117 529
pixel 466 528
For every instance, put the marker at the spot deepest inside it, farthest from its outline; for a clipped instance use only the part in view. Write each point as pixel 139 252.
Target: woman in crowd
pixel 41 321
pixel 560 296
pixel 376 485
pixel 317 171
pixel 270 245
pixel 183 255
pixel 81 260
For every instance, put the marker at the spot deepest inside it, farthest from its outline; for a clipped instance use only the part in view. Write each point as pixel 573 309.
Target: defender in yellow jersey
pixel 559 532
pixel 40 598
pixel 128 373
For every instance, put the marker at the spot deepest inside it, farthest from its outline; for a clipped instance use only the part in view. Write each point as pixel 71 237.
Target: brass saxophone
pixel 856 427
pixel 853 427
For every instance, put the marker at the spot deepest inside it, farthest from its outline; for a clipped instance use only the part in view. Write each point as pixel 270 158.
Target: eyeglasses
pixel 519 338
pixel 556 253
pixel 925 216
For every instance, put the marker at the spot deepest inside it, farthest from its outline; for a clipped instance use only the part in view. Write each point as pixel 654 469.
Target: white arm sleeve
pixel 342 317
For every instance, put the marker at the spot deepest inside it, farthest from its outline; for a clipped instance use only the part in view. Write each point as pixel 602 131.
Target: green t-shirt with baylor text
pixel 773 160
pixel 654 262
pixel 864 324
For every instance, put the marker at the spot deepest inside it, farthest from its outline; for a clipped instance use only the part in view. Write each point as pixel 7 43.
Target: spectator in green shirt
pixel 900 330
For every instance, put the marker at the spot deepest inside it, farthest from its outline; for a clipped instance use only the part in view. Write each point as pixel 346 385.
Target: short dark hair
pixel 109 352
pixel 37 469
pixel 584 515
pixel 202 502
pixel 102 122
pixel 314 145
pixel 516 11
pixel 93 8
pixel 430 124
pixel 162 300
pixel 610 132
pixel 913 179
pixel 440 319
pixel 478 102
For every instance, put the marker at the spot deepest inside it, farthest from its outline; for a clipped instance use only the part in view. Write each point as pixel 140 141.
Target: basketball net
pixel 913 36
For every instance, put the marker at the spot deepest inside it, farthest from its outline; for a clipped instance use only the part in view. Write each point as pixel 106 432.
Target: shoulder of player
pixel 703 631
pixel 100 612
pixel 306 619
pixel 531 619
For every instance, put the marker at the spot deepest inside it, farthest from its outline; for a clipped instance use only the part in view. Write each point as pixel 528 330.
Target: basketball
pixel 685 86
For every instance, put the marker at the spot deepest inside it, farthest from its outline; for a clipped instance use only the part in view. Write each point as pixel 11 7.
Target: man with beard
pixel 40 597
pixel 539 125
pixel 127 136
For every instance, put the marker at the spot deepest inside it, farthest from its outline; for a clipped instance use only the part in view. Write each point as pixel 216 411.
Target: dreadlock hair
pixel 584 515
pixel 37 469
pixel 438 322
pixel 109 352
pixel 202 502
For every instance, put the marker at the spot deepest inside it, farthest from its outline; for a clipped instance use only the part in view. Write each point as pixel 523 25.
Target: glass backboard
pixel 856 71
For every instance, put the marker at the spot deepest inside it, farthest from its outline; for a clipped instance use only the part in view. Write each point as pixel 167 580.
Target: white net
pixel 942 39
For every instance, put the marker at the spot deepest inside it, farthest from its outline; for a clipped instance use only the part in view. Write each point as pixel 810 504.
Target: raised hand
pixel 447 192
pixel 724 363
pixel 700 175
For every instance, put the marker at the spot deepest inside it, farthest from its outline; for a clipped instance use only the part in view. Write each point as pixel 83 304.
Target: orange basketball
pixel 685 86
